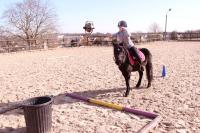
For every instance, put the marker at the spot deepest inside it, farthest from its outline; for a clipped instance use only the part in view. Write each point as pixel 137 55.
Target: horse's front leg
pixel 127 79
pixel 140 79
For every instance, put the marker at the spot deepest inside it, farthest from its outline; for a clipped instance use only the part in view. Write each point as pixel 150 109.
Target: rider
pixel 123 36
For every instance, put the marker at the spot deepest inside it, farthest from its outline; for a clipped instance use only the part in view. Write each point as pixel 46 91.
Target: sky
pixel 105 14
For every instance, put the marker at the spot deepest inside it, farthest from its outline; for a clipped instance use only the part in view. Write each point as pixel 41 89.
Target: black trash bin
pixel 38 115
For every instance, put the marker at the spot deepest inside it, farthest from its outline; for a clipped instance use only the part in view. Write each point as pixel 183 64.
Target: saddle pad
pixel 132 60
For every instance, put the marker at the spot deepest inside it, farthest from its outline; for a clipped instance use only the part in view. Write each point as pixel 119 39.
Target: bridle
pixel 121 47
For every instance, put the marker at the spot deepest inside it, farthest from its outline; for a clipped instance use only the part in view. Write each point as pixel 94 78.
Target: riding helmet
pixel 122 23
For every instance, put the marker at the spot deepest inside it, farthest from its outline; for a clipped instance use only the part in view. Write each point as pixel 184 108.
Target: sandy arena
pixel 91 72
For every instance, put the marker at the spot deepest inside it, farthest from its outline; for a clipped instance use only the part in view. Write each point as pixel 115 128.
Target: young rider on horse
pixel 123 36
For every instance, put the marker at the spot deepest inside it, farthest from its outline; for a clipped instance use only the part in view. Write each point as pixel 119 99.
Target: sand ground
pixel 91 72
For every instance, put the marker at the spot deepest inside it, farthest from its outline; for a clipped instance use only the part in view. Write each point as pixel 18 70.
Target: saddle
pixel 132 59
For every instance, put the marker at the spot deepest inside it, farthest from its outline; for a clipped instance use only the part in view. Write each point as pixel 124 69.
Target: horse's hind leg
pixel 140 79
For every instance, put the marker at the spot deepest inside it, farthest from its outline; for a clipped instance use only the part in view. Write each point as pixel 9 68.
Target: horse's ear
pixel 114 42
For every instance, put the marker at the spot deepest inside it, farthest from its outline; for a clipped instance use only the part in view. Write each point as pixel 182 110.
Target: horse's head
pixel 119 53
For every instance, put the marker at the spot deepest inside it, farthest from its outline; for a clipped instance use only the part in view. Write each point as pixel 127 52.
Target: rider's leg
pixel 135 53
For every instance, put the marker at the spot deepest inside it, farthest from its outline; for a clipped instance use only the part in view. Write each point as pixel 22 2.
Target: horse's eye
pixel 118 49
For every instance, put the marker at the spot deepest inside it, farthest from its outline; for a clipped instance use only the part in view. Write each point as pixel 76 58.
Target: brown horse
pixel 122 60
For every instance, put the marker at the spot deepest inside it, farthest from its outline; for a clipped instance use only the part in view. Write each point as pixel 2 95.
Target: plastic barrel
pixel 38 115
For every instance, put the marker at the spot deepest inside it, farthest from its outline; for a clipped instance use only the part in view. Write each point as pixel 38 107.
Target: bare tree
pixel 30 19
pixel 154 28
pixel 4 34
pixel 1 32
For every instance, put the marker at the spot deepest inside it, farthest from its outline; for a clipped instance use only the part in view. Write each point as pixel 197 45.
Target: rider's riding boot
pixel 135 54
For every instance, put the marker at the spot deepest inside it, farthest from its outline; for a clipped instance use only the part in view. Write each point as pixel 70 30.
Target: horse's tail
pixel 149 65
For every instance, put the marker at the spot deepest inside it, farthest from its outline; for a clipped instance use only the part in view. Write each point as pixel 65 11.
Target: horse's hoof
pixel 125 95
pixel 137 86
pixel 149 85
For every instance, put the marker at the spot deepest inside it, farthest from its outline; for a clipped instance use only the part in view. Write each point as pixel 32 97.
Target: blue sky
pixel 139 14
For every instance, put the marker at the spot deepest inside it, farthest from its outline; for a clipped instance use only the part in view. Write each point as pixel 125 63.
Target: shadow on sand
pixel 63 99
pixel 98 94
pixel 101 94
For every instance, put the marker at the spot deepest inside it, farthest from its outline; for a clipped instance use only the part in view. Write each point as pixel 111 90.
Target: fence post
pixel 35 43
pixel 87 40
pixel 63 42
pixel 29 43
pixel 46 44
pixel 8 46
